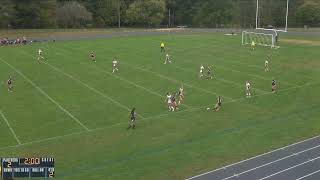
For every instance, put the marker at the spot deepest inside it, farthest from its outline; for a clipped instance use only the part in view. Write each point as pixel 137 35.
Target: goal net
pixel 267 39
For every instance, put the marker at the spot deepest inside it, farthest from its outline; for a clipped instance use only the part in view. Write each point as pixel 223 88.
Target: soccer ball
pixel 208 109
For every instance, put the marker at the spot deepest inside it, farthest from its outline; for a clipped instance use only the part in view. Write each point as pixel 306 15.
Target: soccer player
pixel 218 105
pixel 10 84
pixel 162 47
pixel 115 65
pixel 133 116
pixel 201 71
pixel 40 55
pixel 253 45
pixel 167 59
pixel 248 89
pixel 174 105
pixel 181 94
pixel 266 66
pixel 169 101
pixel 274 86
pixel 93 56
pixel 209 75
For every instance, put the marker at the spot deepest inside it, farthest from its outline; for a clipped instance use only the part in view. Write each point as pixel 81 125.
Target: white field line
pixel 253 75
pixel 86 85
pixel 308 175
pixel 9 126
pixel 271 175
pixel 46 95
pixel 89 87
pixel 272 162
pixel 175 81
pixel 164 115
pixel 136 85
pixel 221 79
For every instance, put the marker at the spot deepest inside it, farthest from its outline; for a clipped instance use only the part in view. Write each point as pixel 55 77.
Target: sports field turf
pixel 77 111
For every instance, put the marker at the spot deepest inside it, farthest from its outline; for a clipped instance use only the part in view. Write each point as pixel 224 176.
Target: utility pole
pixel 119 15
pixel 169 20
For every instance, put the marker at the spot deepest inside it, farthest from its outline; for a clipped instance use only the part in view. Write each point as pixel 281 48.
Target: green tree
pixel 73 15
pixel 47 13
pixel 146 12
pixel 7 13
pixel 309 14
pixel 28 14
pixel 213 13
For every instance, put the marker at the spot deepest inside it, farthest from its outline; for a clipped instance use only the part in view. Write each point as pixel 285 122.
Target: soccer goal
pixel 263 39
pixel 271 19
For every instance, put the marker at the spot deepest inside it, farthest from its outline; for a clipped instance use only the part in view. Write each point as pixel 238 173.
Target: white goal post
pixel 262 39
pixel 274 29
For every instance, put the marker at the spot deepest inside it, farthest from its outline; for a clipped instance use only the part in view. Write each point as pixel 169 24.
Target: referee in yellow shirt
pixel 162 47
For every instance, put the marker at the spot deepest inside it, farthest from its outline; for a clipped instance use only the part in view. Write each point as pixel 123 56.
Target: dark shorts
pixel 219 104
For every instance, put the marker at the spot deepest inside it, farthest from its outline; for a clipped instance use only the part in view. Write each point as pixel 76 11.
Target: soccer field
pixel 77 111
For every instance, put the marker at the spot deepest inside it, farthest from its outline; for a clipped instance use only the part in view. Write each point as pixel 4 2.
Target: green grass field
pixel 77 111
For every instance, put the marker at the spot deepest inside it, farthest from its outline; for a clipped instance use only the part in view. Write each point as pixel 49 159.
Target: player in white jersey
pixel 248 89
pixel 266 66
pixel 93 56
pixel 167 59
pixel 201 71
pixel 169 102
pixel 266 63
pixel 181 94
pixel 40 55
pixel 115 65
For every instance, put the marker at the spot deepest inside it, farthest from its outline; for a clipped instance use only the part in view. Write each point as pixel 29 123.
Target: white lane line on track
pixel 308 175
pixel 272 162
pixel 292 167
pixel 46 95
pixel 10 128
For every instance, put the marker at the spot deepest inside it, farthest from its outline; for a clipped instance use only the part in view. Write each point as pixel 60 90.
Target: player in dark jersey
pixel 174 103
pixel 133 116
pixel 274 86
pixel 10 84
pixel 209 73
pixel 218 105
pixel 93 56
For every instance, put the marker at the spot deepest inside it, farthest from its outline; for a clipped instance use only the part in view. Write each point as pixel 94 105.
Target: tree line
pixel 155 13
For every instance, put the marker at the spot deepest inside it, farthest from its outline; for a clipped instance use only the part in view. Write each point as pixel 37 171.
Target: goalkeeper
pixel 253 45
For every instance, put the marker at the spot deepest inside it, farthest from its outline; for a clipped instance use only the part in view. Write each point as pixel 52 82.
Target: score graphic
pixel 26 167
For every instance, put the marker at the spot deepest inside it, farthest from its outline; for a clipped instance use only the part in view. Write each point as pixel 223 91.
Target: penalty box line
pixel 152 117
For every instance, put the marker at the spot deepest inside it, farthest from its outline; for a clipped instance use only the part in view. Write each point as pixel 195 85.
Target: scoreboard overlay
pixel 11 168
